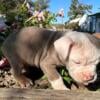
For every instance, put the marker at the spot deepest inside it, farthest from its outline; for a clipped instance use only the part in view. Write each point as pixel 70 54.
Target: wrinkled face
pixel 81 53
pixel 82 64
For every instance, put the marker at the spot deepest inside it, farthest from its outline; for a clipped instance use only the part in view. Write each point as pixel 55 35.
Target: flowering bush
pixel 41 19
pixel 27 16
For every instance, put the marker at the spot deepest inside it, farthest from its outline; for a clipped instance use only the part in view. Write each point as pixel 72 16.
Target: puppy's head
pixel 80 55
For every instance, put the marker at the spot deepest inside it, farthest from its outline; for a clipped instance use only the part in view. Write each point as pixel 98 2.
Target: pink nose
pixel 88 77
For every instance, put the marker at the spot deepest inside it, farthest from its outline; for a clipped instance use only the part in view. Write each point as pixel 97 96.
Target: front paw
pixel 63 87
pixel 58 84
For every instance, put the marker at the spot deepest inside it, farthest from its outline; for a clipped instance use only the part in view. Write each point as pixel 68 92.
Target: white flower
pixel 28 5
pixel 39 15
pixel 36 13
pixel 61 12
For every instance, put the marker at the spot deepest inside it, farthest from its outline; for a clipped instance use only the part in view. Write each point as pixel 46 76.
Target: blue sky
pixel 56 5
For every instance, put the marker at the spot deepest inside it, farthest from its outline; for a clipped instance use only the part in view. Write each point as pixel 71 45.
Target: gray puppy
pixel 79 52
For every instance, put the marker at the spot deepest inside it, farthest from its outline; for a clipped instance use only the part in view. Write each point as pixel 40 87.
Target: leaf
pixel 67 79
pixel 62 72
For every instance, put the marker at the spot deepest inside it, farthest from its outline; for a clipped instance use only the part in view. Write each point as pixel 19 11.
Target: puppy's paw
pixel 25 82
pixel 58 84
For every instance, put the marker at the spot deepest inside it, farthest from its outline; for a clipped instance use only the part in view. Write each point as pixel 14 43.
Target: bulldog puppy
pixel 47 50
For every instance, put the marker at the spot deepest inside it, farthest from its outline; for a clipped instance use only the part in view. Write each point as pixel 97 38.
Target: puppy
pixel 47 49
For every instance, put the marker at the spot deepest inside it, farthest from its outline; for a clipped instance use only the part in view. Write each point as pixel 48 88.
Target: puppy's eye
pixel 77 62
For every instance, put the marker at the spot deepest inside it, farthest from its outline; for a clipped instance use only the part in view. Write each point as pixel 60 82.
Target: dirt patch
pixel 7 80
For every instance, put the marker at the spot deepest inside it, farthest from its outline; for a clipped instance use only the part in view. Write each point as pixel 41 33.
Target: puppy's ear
pixel 63 46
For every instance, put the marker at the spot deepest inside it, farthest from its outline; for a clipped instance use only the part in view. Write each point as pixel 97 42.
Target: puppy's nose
pixel 88 77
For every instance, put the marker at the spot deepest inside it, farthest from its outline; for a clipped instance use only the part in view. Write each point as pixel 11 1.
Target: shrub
pixel 73 26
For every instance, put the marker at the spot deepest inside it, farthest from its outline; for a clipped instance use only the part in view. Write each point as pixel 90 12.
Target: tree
pixel 41 4
pixel 7 6
pixel 15 9
pixel 78 9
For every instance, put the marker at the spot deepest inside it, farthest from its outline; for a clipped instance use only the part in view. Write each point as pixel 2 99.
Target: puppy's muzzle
pixel 89 78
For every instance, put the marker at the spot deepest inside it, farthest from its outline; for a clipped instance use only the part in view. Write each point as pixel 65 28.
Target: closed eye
pixel 76 62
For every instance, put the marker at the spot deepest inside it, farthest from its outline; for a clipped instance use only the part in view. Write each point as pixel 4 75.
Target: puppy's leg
pixel 17 66
pixel 53 76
